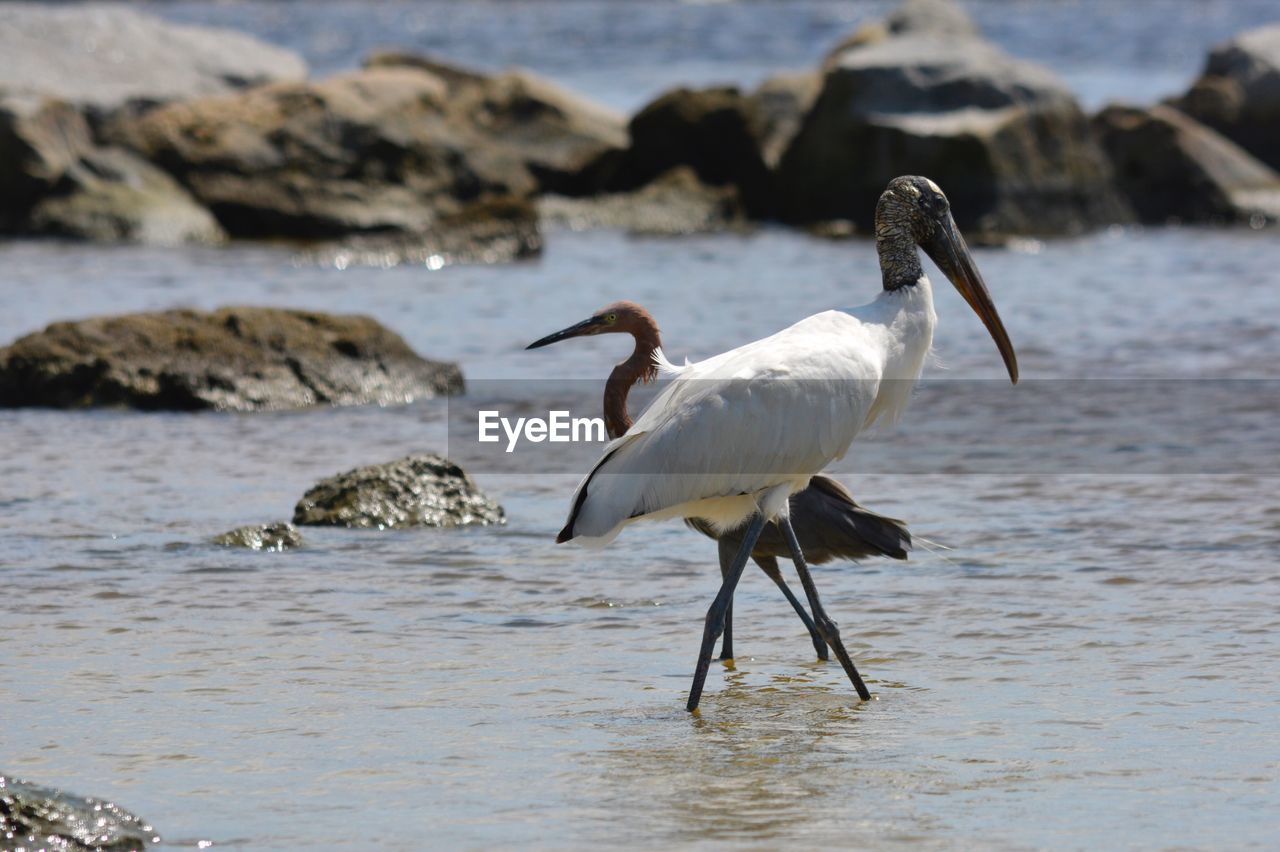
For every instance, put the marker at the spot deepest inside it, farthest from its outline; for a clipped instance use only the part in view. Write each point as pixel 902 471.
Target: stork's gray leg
pixel 714 625
pixel 769 566
pixel 826 627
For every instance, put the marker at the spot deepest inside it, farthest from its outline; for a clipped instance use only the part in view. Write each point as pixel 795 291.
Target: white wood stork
pixel 731 438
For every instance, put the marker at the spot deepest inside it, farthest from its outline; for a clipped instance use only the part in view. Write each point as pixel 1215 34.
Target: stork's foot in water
pixel 829 631
pixel 715 621
pixel 825 625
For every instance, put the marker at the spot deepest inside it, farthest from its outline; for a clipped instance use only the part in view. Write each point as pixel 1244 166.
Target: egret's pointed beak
pixel 587 326
pixel 947 249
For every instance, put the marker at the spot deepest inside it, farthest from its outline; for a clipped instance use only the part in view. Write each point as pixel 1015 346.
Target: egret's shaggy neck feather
pixel 640 367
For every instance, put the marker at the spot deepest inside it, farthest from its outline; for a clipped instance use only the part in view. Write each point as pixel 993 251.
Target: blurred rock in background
pixel 1239 93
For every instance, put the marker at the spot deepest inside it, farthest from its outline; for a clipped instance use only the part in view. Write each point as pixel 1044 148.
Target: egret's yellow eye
pixel 610 317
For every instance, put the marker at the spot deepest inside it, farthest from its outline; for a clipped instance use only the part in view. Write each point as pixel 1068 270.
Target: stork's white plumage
pixel 760 420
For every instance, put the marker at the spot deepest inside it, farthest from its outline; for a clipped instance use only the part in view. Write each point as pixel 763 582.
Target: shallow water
pixel 1093 663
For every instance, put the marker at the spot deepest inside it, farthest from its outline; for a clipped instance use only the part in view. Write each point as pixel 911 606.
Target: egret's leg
pixel 821 620
pixel 727 553
pixel 769 566
pixel 714 625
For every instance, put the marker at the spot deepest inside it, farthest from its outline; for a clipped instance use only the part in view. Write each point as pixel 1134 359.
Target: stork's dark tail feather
pixel 829 524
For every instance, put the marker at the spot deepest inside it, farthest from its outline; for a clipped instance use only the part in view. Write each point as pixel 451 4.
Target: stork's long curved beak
pixel 947 248
pixel 587 326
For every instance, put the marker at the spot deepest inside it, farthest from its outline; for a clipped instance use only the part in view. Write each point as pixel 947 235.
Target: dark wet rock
pixel 554 132
pixel 1004 138
pixel 279 536
pixel 1171 167
pixel 1239 93
pixel 37 817
pixel 939 17
pixel 102 57
pixel 54 180
pixel 236 358
pixel 672 204
pixel 418 491
pixel 715 132
pixel 376 153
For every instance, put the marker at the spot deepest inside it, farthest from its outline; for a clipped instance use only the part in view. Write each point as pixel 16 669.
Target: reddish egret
pixel 827 521
pixel 731 438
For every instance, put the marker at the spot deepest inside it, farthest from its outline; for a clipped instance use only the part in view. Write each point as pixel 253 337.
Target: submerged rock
pixel 1003 137
pixel 418 491
pixel 1239 93
pixel 237 358
pixel 103 57
pixel 673 204
pixel 37 817
pixel 278 536
pixel 1171 167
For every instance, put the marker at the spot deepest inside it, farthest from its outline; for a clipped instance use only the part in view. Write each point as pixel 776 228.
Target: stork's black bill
pixel 947 248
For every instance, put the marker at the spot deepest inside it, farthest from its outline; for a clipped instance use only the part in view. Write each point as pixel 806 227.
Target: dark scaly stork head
pixel 913 211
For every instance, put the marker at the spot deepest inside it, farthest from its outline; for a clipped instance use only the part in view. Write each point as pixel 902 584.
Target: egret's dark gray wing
pixel 829 524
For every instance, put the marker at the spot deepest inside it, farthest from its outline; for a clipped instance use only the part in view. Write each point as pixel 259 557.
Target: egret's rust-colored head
pixel 618 318
pixel 912 211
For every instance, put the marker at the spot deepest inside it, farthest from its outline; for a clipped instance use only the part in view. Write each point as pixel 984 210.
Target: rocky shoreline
pixel 208 135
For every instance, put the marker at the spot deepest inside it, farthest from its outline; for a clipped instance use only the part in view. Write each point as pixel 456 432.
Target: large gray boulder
pixel 715 132
pixel 940 17
pixel 1171 167
pixel 103 57
pixel 238 359
pixel 379 152
pixel 33 816
pixel 1239 93
pixel 554 132
pixel 777 109
pixel 55 180
pixel 1004 138
pixel 424 490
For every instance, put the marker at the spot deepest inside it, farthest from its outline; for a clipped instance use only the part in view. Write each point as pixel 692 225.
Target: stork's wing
pixel 776 410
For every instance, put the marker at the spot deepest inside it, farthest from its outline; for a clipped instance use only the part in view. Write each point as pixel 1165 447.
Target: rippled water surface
pixel 1093 662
